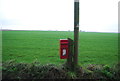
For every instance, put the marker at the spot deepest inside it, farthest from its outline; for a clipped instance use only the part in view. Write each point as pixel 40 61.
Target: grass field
pixel 43 46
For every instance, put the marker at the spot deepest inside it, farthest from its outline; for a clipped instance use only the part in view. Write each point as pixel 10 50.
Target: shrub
pixel 12 70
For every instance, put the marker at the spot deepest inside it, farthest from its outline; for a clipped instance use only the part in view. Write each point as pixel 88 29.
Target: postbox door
pixel 64 53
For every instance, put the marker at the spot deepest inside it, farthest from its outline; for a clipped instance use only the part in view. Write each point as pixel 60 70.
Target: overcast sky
pixel 95 15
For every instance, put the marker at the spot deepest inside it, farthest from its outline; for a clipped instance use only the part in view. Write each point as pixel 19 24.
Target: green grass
pixel 43 46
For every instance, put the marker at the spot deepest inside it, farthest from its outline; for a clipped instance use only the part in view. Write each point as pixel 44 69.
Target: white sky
pixel 95 15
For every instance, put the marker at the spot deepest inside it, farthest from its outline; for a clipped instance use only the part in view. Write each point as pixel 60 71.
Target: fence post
pixel 70 55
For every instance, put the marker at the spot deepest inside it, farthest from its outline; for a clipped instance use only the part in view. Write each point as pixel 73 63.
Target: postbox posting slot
pixel 64 43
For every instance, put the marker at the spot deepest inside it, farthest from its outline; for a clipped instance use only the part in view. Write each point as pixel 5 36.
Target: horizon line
pixel 56 30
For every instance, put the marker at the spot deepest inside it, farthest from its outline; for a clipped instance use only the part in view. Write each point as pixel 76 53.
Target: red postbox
pixel 64 48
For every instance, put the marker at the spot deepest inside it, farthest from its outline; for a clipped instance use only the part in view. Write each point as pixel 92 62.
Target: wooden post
pixel 76 32
pixel 70 55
